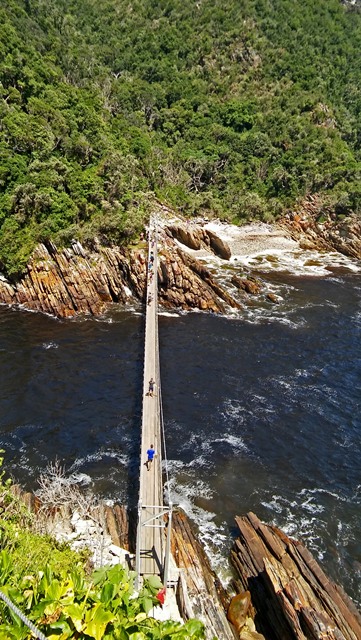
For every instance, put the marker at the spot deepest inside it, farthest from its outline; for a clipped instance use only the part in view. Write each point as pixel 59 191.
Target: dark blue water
pixel 262 412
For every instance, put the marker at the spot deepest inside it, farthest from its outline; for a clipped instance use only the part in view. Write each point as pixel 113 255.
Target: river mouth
pixel 261 407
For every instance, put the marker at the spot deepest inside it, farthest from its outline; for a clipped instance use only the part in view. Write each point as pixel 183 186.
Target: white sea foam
pixel 233 412
pixel 298 262
pixel 215 539
pixel 320 490
pixel 50 345
pixel 201 461
pixel 22 307
pixel 262 315
pixel 80 478
pixel 97 456
pixel 298 518
pixel 235 442
pixel 168 314
pixel 285 383
pixel 357 318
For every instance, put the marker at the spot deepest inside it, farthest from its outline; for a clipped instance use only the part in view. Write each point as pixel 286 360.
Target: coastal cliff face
pixel 316 228
pixel 77 280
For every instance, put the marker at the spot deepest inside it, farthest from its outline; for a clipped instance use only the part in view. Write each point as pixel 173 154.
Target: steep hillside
pixel 237 109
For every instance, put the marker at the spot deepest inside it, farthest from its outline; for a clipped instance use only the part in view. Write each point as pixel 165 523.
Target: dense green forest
pixel 233 108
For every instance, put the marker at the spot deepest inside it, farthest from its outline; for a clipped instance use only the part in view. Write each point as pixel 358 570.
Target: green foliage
pixel 67 605
pixel 47 582
pixel 210 106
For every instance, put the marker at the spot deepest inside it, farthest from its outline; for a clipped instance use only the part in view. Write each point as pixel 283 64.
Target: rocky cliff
pixel 77 280
pixel 315 226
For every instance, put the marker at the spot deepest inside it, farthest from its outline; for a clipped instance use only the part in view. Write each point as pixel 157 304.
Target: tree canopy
pixel 238 108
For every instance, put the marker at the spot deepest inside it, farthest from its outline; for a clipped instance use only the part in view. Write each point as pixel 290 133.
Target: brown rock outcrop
pixel 218 246
pixel 214 289
pixel 79 281
pixel 200 593
pixel 316 226
pixel 292 597
pixel 198 238
pixel 249 285
pixel 190 236
pixel 75 281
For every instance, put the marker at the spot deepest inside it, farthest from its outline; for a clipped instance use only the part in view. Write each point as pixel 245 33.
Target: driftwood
pixel 292 597
pixel 200 593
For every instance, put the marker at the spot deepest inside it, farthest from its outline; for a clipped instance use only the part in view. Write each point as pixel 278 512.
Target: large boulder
pixel 218 246
pixel 249 284
pixel 189 236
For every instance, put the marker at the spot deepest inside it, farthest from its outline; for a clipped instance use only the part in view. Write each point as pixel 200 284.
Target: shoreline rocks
pixel 197 238
pixel 80 281
pixel 291 597
pixel 316 226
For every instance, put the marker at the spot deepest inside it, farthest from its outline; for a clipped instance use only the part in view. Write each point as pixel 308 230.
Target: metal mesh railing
pixel 38 634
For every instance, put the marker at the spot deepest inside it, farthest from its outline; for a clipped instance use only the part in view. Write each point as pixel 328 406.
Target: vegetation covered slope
pixel 236 107
pixel 49 584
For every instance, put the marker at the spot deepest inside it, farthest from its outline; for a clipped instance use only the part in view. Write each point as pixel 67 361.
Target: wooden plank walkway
pixel 150 533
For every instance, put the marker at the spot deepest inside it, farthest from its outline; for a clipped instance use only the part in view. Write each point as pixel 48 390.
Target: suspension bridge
pixel 154 516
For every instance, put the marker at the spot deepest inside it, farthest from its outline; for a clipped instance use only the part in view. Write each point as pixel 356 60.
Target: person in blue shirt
pixel 150 454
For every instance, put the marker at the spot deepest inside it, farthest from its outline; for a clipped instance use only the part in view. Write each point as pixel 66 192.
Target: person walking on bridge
pixel 150 454
pixel 151 387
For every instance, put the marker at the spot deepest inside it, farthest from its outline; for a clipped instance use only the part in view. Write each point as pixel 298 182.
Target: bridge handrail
pixel 161 416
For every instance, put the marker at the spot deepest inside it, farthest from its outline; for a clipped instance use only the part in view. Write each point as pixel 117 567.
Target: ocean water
pixel 261 408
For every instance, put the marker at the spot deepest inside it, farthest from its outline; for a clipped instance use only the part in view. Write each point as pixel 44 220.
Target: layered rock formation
pixel 74 281
pixel 291 597
pixel 315 226
pixel 77 280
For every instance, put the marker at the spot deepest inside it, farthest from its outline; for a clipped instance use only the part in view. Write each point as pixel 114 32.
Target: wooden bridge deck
pixel 150 533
